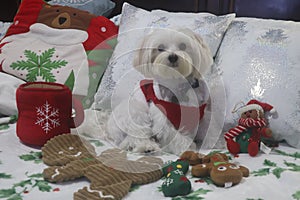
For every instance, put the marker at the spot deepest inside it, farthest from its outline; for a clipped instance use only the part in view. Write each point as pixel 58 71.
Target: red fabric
pixel 182 117
pixel 232 133
pixel 253 148
pixel 36 105
pixel 26 16
pixel 250 123
pixel 265 106
pixel 258 130
pixel 233 147
pixel 99 30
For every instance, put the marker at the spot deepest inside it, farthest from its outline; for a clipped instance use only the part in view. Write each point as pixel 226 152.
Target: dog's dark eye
pixel 182 46
pixel 161 47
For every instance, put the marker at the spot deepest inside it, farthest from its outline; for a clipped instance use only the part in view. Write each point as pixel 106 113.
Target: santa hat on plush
pixel 257 105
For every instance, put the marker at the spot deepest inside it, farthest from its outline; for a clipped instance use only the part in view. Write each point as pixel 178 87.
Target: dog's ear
pixel 206 59
pixel 205 55
pixel 142 55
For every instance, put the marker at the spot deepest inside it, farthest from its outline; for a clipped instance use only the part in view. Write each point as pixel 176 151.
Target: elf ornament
pixel 176 183
pixel 252 126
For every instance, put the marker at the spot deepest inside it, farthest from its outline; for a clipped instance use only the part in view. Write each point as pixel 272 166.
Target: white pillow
pixel 260 59
pixel 8 87
pixel 120 78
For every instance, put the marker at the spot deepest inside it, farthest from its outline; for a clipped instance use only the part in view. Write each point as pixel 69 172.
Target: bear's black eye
pixel 161 47
pixel 74 14
pixel 182 46
pixel 57 10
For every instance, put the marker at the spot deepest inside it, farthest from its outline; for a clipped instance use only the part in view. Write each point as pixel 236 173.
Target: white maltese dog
pixel 164 112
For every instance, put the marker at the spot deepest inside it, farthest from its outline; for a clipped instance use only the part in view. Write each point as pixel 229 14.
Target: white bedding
pixel 273 176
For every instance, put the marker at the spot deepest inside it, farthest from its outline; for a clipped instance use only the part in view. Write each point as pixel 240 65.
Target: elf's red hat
pixel 257 105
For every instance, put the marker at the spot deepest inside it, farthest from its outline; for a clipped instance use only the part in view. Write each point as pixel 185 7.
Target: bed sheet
pixel 272 176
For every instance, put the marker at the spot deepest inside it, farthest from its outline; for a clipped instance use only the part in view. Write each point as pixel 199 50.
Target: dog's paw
pixel 147 147
pixel 137 145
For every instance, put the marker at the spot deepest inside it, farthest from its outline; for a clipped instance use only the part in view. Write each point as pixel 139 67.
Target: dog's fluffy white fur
pixel 174 60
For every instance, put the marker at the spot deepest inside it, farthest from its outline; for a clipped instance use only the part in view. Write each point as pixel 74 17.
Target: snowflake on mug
pixel 47 117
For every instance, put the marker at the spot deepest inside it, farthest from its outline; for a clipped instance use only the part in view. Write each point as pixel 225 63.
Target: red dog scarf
pixel 182 117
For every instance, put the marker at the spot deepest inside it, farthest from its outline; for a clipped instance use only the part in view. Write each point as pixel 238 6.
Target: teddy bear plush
pixel 252 127
pixel 220 170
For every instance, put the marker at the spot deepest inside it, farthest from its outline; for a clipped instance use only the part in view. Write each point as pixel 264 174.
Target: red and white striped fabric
pixel 243 125
pixel 250 123
pixel 232 133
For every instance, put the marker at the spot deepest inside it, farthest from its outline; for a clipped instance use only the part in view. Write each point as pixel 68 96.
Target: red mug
pixel 45 111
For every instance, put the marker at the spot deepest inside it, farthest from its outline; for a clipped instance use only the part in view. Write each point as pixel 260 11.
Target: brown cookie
pixel 115 170
pixel 192 157
pixel 111 174
pixel 65 148
pixel 113 153
pixel 114 191
pixel 68 172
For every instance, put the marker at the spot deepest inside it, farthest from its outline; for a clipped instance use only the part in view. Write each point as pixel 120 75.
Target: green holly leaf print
pixel 277 172
pixel 261 172
pixel 269 163
pixel 38 175
pixel 5 193
pixel 4 127
pixel 16 197
pixel 194 195
pixel 32 181
pixel 159 188
pixel 294 155
pixel 97 143
pixel 39 66
pixel 32 156
pixel 23 183
pixel 296 195
pixel 294 166
pixel 43 186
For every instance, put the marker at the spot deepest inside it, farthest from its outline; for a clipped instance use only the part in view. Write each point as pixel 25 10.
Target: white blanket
pixel 272 176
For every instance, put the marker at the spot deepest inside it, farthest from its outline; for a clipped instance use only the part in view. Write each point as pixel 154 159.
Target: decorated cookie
pixel 111 174
pixel 220 170
pixel 62 149
pixel 68 172
pixel 114 191
pixel 192 157
pixel 137 172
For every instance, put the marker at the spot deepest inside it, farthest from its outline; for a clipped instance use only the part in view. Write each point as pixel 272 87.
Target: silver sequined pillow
pixel 120 78
pixel 260 59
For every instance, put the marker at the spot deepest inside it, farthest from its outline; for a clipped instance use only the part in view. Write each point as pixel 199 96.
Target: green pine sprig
pixel 39 65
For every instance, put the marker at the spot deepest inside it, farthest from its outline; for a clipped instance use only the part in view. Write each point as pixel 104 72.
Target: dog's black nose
pixel 173 58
